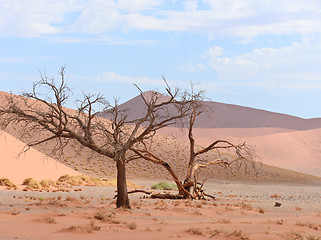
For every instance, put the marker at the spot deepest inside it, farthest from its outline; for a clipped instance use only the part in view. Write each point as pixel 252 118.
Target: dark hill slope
pixel 222 115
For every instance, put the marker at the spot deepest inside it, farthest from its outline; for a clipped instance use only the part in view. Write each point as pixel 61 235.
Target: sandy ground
pixel 241 211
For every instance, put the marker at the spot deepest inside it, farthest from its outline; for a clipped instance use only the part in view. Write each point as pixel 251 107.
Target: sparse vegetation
pixel 79 180
pixel 224 220
pixel 50 220
pixel 7 183
pixel 308 224
pixel 280 222
pixel 87 228
pixel 15 212
pixel 261 210
pixel 239 235
pixel 106 216
pixel 195 231
pixel 131 225
pixel 246 206
pixel 165 186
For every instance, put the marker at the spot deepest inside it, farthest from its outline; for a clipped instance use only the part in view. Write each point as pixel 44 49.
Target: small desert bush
pixel 71 180
pixel 165 186
pixel 50 220
pixel 32 184
pixel 131 225
pixel 294 235
pixel 87 228
pixel 195 231
pixel 26 181
pixel 8 183
pixel 15 212
pixel 261 210
pixel 47 183
pixel 106 216
pixel 224 221
pixel 239 235
pixel 280 222
pixel 92 227
pixel 80 180
pixel 246 206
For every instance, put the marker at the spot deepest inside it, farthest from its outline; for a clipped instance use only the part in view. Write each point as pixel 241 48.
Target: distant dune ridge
pixel 222 115
pixel 279 139
pixel 279 146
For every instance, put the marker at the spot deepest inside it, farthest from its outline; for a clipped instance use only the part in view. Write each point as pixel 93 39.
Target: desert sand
pixel 244 207
pixel 17 166
pixel 240 211
pixel 290 149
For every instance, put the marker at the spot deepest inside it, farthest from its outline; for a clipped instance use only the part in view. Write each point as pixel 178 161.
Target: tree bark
pixel 189 176
pixel 122 193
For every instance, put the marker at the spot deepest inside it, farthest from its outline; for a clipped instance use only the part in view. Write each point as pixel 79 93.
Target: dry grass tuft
pixel 7 183
pixel 261 210
pixel 280 222
pixel 14 212
pixel 50 220
pixel 308 224
pixel 195 231
pixel 246 206
pixel 106 216
pixel 239 235
pixel 131 225
pixel 32 184
pixel 91 227
pixel 225 221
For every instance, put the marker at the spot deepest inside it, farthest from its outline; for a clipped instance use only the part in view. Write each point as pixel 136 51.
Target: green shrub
pixel 165 186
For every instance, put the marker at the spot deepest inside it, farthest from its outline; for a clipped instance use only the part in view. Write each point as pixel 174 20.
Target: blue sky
pixel 264 54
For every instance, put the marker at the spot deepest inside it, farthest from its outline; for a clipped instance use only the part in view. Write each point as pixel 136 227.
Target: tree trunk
pixel 188 182
pixel 122 193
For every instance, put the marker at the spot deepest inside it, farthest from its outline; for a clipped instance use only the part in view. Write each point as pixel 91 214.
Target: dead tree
pixel 242 151
pixel 190 187
pixel 42 111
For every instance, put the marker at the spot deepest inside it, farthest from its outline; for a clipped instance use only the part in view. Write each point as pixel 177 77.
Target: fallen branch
pixel 166 196
pixel 136 191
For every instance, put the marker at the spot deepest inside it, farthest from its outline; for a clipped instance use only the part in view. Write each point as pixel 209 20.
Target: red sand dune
pixel 30 164
pixel 293 150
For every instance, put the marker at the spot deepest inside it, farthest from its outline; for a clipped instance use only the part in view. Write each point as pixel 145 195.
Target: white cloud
pixel 295 66
pixel 30 18
pixel 137 5
pixel 191 6
pixel 239 18
pixel 142 80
